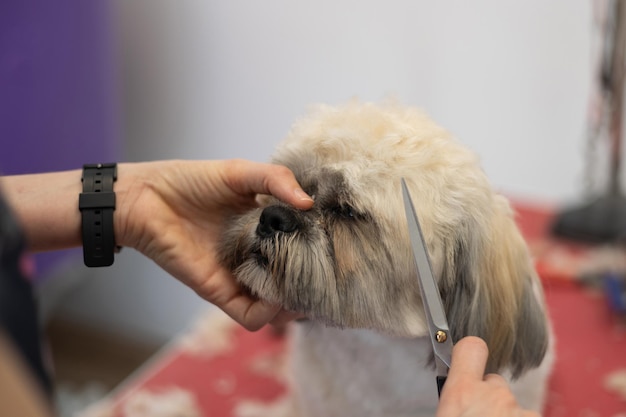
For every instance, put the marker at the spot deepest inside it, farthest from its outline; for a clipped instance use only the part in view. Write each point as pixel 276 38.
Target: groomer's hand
pixel 174 211
pixel 468 392
pixel 171 211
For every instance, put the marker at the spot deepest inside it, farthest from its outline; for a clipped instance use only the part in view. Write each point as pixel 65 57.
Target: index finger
pixel 469 359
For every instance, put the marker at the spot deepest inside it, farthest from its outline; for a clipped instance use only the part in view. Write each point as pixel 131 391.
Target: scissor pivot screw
pixel 441 336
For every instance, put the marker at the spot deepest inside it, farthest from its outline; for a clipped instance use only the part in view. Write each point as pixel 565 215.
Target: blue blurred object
pixel 615 291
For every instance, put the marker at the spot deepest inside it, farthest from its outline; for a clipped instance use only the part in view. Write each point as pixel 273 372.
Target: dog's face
pixel 347 261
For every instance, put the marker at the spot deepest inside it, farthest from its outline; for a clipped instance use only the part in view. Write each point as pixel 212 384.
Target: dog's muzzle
pixel 276 219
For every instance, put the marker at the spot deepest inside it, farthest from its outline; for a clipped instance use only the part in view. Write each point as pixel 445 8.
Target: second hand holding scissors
pixel 438 329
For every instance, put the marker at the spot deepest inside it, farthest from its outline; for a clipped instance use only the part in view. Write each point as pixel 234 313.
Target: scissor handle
pixel 440 381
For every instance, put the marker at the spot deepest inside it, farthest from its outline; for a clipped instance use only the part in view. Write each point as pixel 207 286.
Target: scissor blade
pixel 433 306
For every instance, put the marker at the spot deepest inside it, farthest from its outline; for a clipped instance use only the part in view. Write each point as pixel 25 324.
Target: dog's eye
pixel 345 211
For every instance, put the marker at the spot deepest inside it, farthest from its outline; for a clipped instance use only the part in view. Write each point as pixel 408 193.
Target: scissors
pixel 438 329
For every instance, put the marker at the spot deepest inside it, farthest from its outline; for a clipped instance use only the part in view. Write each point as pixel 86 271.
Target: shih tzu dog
pixel 347 264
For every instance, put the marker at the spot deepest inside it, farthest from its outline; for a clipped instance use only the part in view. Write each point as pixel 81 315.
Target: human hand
pixel 173 212
pixel 468 392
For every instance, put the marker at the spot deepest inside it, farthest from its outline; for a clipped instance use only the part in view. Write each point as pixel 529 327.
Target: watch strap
pixel 97 204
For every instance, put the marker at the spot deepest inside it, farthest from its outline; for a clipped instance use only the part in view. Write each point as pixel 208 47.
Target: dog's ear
pixel 490 289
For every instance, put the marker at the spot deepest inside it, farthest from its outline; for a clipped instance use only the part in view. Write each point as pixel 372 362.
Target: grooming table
pixel 216 366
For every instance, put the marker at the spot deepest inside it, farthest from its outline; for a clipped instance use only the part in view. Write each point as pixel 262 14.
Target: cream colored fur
pixel 347 264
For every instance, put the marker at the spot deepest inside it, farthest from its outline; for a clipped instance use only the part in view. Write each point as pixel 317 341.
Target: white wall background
pixel 221 79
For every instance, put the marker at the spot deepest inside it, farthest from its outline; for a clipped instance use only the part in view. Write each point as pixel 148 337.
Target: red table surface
pixel 590 345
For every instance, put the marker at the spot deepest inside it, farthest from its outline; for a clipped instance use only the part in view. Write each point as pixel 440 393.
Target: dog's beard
pixel 292 270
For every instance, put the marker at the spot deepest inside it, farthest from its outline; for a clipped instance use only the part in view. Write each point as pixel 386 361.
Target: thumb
pixel 469 359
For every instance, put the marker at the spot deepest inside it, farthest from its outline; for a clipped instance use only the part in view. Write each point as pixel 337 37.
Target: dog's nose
pixel 276 219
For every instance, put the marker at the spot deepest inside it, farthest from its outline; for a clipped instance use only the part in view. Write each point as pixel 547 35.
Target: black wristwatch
pixel 97 204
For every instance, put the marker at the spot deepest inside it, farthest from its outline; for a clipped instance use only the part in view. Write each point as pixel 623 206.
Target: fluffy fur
pixel 347 265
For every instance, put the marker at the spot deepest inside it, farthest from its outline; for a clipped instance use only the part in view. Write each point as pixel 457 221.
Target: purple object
pixel 58 89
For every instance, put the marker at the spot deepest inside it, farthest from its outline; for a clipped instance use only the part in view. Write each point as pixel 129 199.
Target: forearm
pixel 47 207
pixel 47 204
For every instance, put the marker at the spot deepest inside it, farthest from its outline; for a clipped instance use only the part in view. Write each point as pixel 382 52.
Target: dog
pixel 346 264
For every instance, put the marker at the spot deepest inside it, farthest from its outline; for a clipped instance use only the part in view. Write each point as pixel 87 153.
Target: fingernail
pixel 302 195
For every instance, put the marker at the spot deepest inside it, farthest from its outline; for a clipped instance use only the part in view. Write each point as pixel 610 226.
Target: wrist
pixel 131 188
pixel 122 209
